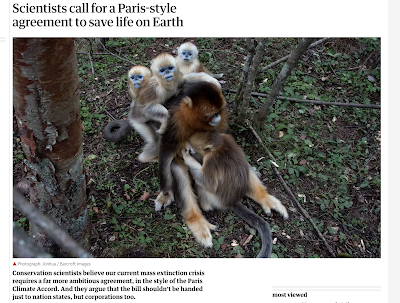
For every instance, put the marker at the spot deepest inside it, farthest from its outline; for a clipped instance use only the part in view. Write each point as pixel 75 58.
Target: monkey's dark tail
pixel 258 223
pixel 116 130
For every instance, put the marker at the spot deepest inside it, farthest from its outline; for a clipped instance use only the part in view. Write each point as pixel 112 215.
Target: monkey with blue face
pixel 188 61
pixel 147 114
pixel 147 110
pixel 137 76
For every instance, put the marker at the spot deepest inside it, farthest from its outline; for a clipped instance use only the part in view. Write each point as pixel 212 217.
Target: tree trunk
pixel 281 79
pixel 250 80
pixel 243 78
pixel 47 110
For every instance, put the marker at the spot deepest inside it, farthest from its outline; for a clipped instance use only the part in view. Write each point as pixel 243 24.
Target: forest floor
pixel 329 156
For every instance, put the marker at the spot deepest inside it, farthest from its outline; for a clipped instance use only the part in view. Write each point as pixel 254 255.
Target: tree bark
pixel 290 64
pixel 47 110
pixel 243 78
pixel 250 80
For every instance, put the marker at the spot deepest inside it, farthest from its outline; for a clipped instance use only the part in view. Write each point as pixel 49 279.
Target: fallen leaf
pixel 303 136
pixel 303 162
pixel 302 196
pixel 274 164
pixel 281 134
pixel 145 196
pixel 96 209
pixel 234 243
pixel 247 240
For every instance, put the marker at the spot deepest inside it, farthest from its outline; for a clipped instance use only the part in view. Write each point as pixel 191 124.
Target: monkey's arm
pixel 195 169
pixel 166 156
pixel 157 112
pixel 258 223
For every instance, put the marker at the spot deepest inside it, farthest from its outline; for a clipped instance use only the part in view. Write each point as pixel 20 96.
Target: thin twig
pixel 286 57
pixel 291 195
pixel 94 54
pixel 91 63
pixel 359 105
pixel 111 116
pixel 126 60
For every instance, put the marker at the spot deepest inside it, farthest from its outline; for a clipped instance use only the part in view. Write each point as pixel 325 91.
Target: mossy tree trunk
pixel 47 110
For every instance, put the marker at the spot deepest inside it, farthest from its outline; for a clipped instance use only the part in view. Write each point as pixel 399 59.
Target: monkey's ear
pixel 188 101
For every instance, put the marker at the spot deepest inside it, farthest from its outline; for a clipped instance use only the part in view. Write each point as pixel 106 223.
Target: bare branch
pixel 35 216
pixel 291 195
pixel 359 105
pixel 280 80
pixel 25 247
pixel 286 57
pixel 251 77
pixel 126 60
pixel 249 59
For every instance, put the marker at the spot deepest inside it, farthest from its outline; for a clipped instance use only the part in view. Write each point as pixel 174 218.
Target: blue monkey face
pixel 187 55
pixel 167 72
pixel 137 79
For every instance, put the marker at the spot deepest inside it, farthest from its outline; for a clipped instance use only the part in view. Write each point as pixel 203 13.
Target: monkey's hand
pixel 165 198
pixel 189 160
pixel 162 128
pixel 190 149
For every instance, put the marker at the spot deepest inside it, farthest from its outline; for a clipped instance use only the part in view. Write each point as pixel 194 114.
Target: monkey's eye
pixel 133 77
pixel 208 148
pixel 140 77
pixel 213 116
pixel 189 54
pixel 171 68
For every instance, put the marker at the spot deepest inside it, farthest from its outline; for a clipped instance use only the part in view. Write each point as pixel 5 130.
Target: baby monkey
pixel 225 177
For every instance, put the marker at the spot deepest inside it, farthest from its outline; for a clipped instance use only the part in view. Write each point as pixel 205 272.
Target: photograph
pixel 197 147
